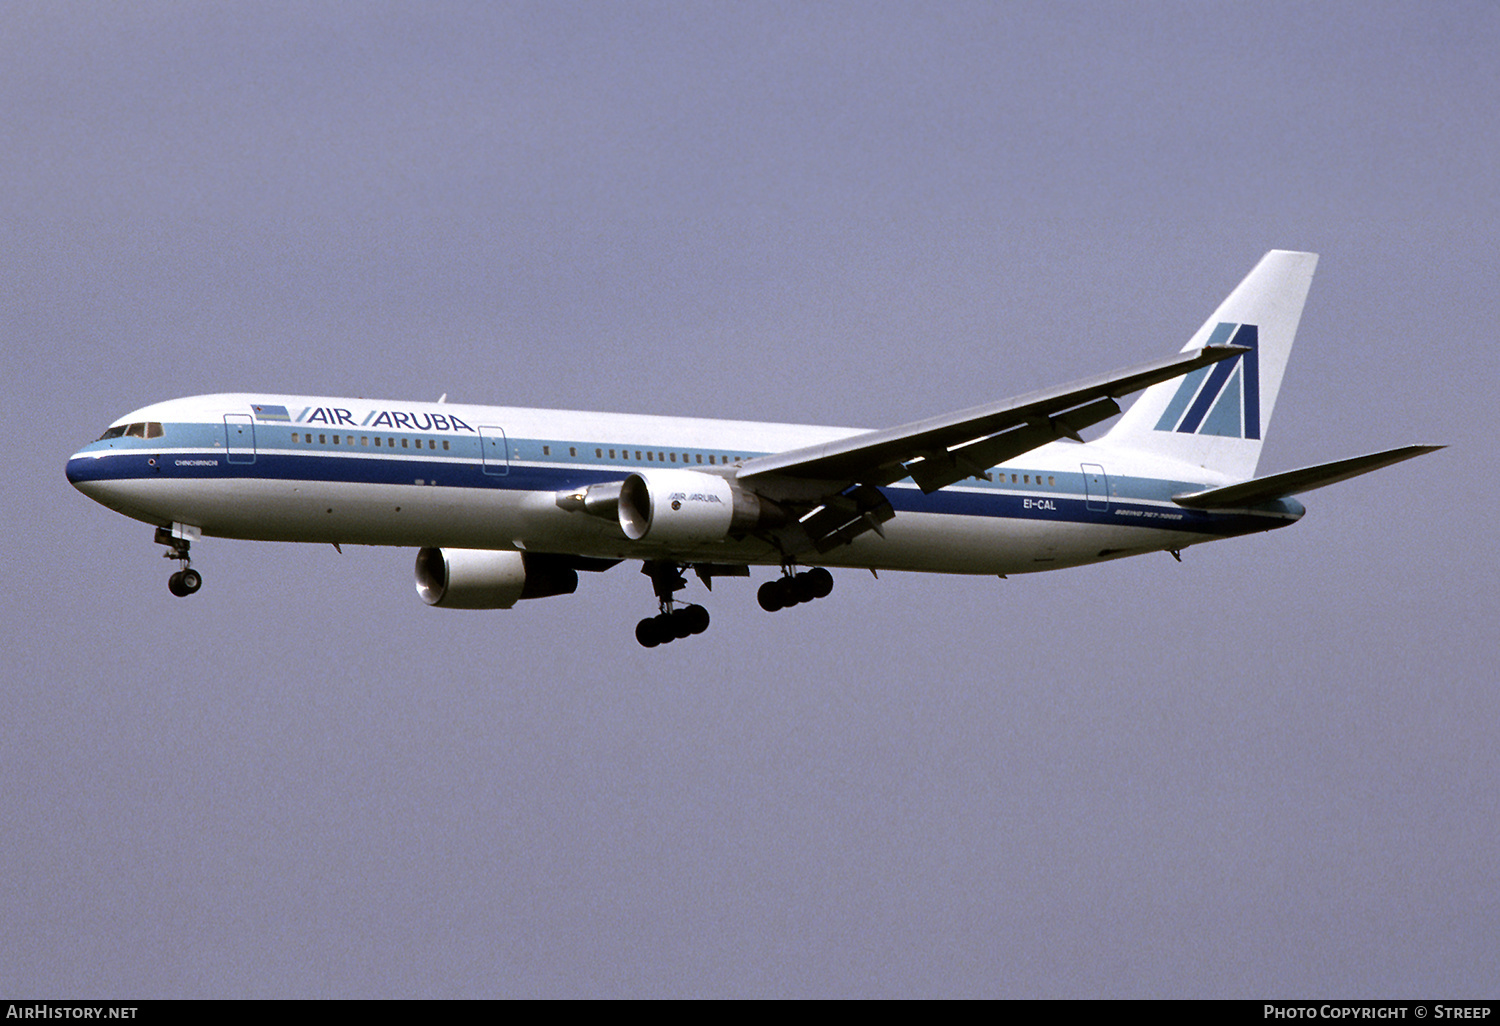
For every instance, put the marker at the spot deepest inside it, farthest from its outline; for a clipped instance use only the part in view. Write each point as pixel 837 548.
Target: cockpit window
pixel 149 429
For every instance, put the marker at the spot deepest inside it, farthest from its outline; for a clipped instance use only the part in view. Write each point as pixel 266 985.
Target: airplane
pixel 506 504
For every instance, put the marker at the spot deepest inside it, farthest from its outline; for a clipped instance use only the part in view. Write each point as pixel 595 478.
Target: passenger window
pixel 377 441
pixel 638 454
pixel 404 443
pixel 572 450
pixel 432 443
pixel 322 439
pixel 648 455
pixel 445 443
pixel 674 457
pixel 546 450
pixel 710 457
pixel 598 453
pixel 700 457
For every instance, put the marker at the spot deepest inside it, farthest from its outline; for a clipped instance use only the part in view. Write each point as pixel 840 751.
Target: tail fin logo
pixel 1224 398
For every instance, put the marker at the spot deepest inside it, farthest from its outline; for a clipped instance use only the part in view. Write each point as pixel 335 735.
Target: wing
pixel 1295 482
pixel 838 483
pixel 943 450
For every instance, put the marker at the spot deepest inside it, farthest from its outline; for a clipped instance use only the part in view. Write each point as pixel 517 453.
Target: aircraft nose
pixel 86 472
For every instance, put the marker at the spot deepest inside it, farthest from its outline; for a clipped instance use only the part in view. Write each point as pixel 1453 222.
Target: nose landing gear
pixel 185 581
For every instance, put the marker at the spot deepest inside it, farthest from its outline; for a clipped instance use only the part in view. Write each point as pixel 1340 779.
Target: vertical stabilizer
pixel 1216 416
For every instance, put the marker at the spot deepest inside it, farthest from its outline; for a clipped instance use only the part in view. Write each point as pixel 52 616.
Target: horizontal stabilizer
pixel 1294 482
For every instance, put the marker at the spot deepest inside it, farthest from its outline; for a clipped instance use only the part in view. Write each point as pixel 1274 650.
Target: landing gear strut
pixel 670 624
pixel 794 588
pixel 186 580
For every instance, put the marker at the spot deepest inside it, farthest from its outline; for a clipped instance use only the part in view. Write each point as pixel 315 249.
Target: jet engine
pixel 683 507
pixel 486 579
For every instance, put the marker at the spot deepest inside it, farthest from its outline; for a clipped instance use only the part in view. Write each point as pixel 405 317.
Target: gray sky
pixel 1270 770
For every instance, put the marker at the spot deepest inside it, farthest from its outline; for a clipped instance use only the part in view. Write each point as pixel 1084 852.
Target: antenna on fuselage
pixel 443 398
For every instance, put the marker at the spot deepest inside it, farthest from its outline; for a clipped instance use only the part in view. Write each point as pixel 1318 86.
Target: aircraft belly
pixel 991 545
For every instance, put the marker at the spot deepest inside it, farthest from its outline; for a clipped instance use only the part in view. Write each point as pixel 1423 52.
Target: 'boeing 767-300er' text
pixel 505 504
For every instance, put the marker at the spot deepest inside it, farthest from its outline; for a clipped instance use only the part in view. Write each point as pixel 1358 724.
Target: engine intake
pixel 683 507
pixel 486 579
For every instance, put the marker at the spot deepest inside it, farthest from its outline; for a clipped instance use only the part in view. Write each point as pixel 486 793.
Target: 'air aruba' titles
pixel 385 418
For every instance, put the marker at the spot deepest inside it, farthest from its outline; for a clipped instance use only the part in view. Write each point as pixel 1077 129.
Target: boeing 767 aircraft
pixel 505 504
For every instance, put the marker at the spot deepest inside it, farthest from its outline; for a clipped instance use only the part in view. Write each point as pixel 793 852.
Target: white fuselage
pixel 356 471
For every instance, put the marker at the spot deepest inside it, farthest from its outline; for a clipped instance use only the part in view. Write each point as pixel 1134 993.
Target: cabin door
pixel 1096 486
pixel 493 450
pixel 239 437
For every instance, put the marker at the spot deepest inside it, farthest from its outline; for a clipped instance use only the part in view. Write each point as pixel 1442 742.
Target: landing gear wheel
pixel 769 596
pixel 789 592
pixel 646 633
pixel 174 585
pixel 696 619
pixel 191 580
pixel 820 582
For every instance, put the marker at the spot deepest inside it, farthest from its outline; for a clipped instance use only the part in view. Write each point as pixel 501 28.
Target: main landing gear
pixel 671 623
pixel 794 588
pixel 186 580
pixel 675 622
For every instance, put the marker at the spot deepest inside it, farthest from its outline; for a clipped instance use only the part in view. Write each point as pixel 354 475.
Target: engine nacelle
pixel 683 507
pixel 485 579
